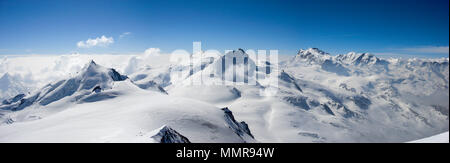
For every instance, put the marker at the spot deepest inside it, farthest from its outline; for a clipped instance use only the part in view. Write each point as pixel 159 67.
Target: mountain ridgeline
pixel 318 98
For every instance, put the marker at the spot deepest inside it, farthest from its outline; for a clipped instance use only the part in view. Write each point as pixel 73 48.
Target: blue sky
pixel 383 27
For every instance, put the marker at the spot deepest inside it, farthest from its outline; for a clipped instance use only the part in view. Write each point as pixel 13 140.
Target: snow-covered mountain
pixel 363 59
pixel 315 56
pixel 312 55
pixel 354 97
pixel 101 105
pixel 324 98
pixel 393 94
pixel 92 79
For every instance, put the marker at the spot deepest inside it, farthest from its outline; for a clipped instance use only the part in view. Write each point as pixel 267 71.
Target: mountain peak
pixel 90 66
pixel 240 128
pixel 92 69
pixel 359 58
pixel 92 62
pixel 315 51
pixel 91 76
pixel 313 55
pixel 166 134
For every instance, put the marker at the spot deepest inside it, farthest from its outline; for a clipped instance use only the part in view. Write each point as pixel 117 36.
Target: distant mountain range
pixel 354 97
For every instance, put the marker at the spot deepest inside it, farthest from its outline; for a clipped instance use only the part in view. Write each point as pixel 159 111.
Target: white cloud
pixel 152 51
pixel 124 34
pixel 99 41
pixel 428 49
pixel 39 70
pixel 150 55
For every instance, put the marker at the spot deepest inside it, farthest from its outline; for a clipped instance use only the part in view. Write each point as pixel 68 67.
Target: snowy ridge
pixel 315 56
pixel 312 55
pixel 324 98
pixel 364 59
pixel 122 113
pixel 240 128
pixel 320 98
pixel 92 75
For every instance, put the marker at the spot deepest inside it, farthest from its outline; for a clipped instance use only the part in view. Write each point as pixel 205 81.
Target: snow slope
pixel 324 98
pixel 354 97
pixel 440 138
pixel 127 114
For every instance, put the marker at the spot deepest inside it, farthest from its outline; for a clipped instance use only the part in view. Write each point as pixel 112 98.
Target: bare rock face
pixel 240 128
pixel 166 134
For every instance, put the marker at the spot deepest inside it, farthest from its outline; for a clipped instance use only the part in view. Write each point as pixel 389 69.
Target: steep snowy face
pixel 360 59
pixel 92 76
pixel 317 57
pixel 312 55
pixel 95 75
pixel 240 128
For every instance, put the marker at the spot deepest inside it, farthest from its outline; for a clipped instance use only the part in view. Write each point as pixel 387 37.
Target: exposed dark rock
pixel 240 128
pixel 169 135
pixel 97 89
pixel 327 109
pixel 236 92
pixel 289 79
pixel 362 102
pixel 14 99
pixel 298 101
pixel 116 76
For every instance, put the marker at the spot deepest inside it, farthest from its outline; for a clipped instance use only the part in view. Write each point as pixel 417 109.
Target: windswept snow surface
pixel 354 97
pixel 440 138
